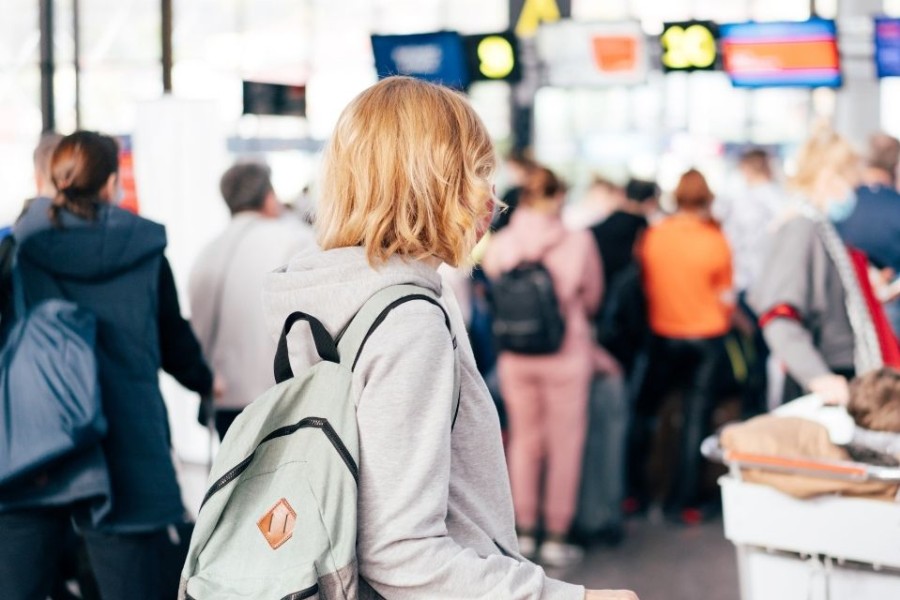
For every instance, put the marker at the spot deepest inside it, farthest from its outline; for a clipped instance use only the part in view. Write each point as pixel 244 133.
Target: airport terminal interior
pixel 727 169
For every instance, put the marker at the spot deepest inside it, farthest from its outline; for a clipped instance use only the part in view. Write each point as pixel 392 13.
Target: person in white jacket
pixel 226 288
pixel 407 187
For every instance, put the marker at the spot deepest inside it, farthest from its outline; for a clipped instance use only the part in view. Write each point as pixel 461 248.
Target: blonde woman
pixel 406 187
pixel 818 310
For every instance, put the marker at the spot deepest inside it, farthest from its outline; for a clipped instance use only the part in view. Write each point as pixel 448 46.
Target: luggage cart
pixel 824 548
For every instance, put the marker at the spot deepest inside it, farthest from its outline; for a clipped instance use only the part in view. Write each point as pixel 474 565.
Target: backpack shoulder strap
pixel 373 313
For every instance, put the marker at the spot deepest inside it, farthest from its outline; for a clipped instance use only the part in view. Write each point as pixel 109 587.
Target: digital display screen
pixel 783 54
pixel 274 99
pixel 689 46
pixel 887 47
pixel 493 57
pixel 436 57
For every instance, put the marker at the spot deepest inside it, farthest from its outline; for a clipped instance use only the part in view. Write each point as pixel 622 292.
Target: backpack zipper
pixel 301 595
pixel 307 423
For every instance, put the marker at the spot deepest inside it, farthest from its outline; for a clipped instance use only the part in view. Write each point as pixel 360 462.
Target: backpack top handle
pixel 325 345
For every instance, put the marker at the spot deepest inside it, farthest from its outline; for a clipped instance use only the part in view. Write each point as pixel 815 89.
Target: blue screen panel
pixel 436 57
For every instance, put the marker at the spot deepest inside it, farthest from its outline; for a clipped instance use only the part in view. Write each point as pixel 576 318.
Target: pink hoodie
pixel 574 263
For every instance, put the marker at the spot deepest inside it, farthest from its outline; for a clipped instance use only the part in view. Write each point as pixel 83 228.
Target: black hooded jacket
pixel 114 267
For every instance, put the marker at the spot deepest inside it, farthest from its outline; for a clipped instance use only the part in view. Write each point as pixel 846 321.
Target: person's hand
pixel 610 595
pixel 832 389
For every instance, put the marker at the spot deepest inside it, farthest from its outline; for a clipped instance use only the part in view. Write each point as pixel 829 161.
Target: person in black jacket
pixel 622 323
pixel 78 247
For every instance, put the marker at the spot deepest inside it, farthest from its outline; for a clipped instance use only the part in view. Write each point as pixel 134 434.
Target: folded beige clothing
pixel 791 437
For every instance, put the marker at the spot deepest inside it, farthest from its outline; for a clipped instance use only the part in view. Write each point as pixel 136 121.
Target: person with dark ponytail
pixel 78 246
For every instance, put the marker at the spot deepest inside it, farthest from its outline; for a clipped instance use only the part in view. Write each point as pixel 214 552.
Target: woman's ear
pixel 110 191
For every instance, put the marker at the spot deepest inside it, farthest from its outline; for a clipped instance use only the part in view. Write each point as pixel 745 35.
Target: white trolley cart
pixel 826 548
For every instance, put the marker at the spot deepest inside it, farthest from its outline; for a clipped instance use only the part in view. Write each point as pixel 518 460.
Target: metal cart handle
pixel 843 470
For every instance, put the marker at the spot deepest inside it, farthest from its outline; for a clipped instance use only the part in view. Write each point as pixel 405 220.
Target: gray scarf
pixel 867 350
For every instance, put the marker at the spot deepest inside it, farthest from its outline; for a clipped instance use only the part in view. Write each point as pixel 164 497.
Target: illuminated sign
pixel 493 57
pixel 129 200
pixel 535 12
pixel 796 54
pixel 887 46
pixel 579 54
pixel 437 57
pixel 274 99
pixel 689 46
pixel 615 53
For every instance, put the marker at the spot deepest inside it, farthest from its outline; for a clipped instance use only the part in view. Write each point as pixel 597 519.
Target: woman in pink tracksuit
pixel 546 396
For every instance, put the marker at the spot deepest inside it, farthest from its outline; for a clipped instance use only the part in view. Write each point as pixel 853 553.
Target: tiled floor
pixel 657 560
pixel 665 562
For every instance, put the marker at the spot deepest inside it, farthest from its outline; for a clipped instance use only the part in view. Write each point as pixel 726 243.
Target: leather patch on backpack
pixel 277 525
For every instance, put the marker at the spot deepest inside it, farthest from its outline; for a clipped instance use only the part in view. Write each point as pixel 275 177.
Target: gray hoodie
pixel 435 510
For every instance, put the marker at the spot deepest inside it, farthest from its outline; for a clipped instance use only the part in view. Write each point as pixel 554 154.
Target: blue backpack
pixel 49 389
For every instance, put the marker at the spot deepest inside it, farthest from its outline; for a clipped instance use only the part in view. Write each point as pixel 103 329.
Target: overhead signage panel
pixel 782 54
pixel 689 46
pixel 493 57
pixel 887 46
pixel 436 57
pixel 579 54
pixel 274 99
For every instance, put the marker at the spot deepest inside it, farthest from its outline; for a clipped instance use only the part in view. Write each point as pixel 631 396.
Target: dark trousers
pixel 127 567
pixel 691 363
pixel 754 400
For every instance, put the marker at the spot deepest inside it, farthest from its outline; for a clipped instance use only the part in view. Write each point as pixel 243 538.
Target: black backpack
pixel 527 318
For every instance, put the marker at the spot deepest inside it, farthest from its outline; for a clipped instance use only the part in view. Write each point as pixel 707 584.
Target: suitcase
pixel 603 469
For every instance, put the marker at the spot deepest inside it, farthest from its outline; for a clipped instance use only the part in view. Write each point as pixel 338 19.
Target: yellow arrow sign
pixel 535 12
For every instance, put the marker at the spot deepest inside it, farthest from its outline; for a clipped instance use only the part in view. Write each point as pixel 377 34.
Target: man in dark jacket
pixel 622 324
pixel 873 226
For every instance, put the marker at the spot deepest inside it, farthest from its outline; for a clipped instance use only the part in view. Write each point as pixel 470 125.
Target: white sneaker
pixel 527 546
pixel 559 554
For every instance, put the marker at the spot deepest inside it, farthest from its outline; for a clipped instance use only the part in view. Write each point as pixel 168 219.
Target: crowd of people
pixel 689 303
pixel 578 323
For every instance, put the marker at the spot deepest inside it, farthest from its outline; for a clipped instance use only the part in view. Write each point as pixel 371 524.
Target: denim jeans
pixel 126 566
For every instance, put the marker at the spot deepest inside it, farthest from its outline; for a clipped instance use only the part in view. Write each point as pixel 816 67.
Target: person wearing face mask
pixel 817 308
pixel 870 219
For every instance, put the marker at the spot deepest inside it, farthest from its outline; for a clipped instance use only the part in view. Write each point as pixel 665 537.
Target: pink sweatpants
pixel 547 410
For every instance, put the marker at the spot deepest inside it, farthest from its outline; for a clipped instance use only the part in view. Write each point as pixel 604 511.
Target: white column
pixel 857 112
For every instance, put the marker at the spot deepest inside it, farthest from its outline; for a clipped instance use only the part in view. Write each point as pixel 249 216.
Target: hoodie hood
pixel 87 250
pixel 333 285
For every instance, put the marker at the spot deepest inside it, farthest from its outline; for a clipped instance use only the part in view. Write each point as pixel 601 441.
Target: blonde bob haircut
pixel 825 152
pixel 407 172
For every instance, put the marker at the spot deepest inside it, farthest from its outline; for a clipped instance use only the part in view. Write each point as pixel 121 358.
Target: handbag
pixel 50 406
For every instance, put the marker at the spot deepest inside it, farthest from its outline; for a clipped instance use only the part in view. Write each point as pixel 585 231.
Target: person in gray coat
pixel 812 293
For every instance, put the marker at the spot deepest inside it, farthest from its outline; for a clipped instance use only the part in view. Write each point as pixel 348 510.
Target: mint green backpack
pixel 279 518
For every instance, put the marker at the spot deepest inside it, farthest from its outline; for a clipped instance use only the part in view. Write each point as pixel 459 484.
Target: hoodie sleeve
pixel 182 357
pixel 786 282
pixel 405 416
